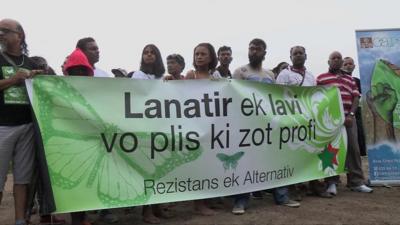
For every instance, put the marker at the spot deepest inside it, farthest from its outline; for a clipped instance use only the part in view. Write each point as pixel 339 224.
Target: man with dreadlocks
pixel 16 131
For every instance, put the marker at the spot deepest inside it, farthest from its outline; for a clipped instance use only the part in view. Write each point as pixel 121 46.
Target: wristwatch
pixel 351 114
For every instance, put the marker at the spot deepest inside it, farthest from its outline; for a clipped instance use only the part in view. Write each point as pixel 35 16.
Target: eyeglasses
pixel 7 31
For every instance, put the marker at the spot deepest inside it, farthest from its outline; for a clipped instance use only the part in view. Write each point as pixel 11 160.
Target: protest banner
pixel 122 142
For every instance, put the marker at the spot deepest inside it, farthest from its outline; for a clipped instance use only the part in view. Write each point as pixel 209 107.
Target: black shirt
pixel 224 72
pixel 13 113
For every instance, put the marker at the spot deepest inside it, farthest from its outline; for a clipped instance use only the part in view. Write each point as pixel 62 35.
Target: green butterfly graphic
pixel 230 161
pixel 76 154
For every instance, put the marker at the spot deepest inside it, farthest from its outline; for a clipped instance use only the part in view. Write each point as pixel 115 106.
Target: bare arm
pixel 14 80
pixel 348 122
pixel 4 84
pixel 237 74
pixel 19 77
pixel 354 105
pixel 190 75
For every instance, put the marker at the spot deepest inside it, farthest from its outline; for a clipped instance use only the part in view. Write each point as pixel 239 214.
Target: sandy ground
pixel 350 208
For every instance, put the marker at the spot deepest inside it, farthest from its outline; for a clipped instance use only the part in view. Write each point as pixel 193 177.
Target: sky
pixel 122 28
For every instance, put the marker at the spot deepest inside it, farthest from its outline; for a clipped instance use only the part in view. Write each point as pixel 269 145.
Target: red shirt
pixel 347 86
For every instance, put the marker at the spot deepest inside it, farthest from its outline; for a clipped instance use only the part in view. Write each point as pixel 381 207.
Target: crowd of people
pixel 20 141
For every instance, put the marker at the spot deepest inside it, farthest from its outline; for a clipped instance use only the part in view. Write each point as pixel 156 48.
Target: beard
pixel 2 47
pixel 255 60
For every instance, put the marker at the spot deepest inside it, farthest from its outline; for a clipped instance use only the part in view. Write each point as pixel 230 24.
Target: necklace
pixel 22 63
pixel 9 60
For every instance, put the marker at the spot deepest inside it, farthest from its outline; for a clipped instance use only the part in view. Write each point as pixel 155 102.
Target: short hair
pixel 258 42
pixel 157 68
pixel 81 44
pixel 348 57
pixel 214 60
pixel 224 48
pixel 297 46
pixel 38 60
pixel 178 58
pixel 276 69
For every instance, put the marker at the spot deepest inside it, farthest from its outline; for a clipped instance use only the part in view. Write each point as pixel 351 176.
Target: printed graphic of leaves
pixel 9 70
pixel 12 94
pixel 230 161
pixel 75 152
pixel 315 103
pixel 16 94
pixel 8 96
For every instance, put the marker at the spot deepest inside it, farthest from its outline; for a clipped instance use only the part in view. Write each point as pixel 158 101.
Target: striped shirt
pixel 345 83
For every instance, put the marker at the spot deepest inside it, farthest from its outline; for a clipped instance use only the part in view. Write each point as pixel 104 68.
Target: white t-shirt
pixel 247 73
pixel 289 77
pixel 101 73
pixel 139 75
pixel 216 75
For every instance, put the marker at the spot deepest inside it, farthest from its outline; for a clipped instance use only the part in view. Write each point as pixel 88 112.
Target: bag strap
pixel 9 60
pixel 299 72
pixel 302 80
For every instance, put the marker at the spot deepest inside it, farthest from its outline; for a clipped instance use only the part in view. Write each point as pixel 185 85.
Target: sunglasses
pixel 7 31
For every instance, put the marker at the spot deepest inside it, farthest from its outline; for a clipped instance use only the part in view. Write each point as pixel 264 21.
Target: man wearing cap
pixel 16 130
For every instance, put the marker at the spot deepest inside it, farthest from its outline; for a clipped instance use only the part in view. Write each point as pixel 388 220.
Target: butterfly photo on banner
pixel 230 161
pixel 76 155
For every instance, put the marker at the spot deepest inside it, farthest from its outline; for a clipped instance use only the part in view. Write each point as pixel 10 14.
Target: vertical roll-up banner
pixel 379 63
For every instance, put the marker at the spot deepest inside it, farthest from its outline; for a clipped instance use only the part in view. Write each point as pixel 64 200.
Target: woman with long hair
pixel 204 62
pixel 151 64
pixel 151 68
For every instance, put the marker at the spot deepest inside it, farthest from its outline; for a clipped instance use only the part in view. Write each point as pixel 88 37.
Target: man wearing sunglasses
pixel 16 132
